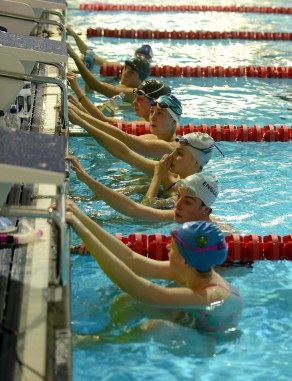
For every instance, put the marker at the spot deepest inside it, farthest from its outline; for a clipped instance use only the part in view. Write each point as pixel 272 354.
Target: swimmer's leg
pixel 125 310
pixel 175 338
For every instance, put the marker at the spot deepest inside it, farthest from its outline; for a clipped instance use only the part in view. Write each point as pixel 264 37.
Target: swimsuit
pixel 218 319
pixel 171 186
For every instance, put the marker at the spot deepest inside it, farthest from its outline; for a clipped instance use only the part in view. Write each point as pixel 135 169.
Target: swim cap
pixel 201 244
pixel 202 185
pixel 145 50
pixel 170 103
pixel 199 144
pixel 152 89
pixel 141 65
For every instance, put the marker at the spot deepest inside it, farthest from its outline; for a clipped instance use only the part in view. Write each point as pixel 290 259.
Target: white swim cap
pixel 202 185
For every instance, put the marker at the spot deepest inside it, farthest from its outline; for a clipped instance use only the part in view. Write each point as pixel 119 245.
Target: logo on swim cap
pixel 201 241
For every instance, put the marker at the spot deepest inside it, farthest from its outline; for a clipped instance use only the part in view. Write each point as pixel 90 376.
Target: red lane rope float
pixel 186 35
pixel 240 248
pixel 227 132
pixel 182 8
pixel 208 71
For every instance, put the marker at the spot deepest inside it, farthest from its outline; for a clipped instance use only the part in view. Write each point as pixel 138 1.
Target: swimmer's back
pixel 219 318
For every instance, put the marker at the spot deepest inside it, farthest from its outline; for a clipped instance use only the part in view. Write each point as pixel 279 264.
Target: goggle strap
pixel 155 91
pixel 219 150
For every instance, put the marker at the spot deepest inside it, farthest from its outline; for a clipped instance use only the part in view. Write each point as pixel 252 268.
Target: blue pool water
pixel 255 180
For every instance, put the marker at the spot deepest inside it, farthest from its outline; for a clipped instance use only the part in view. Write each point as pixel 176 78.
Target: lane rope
pixel 205 71
pixel 98 7
pixel 247 248
pixel 229 132
pixel 187 35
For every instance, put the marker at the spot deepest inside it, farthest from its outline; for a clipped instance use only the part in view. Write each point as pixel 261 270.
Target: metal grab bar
pixel 41 79
pixel 38 21
pixel 55 13
pixel 58 216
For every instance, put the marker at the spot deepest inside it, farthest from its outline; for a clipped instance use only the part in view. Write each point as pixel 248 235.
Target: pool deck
pixel 35 335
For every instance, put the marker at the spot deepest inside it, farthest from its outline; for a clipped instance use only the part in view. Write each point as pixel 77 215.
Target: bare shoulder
pixel 225 227
pixel 148 137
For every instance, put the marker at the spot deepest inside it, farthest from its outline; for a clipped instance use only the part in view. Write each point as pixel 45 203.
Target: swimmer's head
pixel 141 65
pixel 152 89
pixel 201 244
pixel 203 185
pixel 170 103
pixel 146 51
pixel 200 145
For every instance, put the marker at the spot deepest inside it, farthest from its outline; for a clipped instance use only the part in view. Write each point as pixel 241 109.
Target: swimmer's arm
pixel 142 266
pixel 154 148
pixel 90 109
pixel 104 88
pixel 82 46
pixel 114 146
pixel 85 105
pixel 161 172
pixel 127 279
pixel 73 102
pixel 154 184
pixel 118 201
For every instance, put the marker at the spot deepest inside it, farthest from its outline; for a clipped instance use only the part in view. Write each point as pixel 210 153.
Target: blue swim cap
pixel 146 51
pixel 201 244
pixel 170 103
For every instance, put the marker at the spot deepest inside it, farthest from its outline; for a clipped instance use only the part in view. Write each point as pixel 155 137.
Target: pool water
pixel 255 197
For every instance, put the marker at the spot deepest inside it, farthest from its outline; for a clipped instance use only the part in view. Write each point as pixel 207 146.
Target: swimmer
pixel 148 90
pixel 164 114
pixel 193 202
pixel 184 161
pixel 135 71
pixel 91 59
pixel 195 196
pixel 144 50
pixel 200 146
pixel 201 299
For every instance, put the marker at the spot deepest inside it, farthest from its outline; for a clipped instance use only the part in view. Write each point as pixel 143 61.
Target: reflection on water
pixel 255 197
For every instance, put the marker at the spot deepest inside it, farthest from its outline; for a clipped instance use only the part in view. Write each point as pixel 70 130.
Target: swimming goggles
pixel 164 104
pixel 184 141
pixel 219 246
pixel 173 109
pixel 147 95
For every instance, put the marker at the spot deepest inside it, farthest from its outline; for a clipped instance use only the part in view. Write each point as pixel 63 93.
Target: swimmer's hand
pixel 74 117
pixel 70 31
pixel 72 80
pixel 74 105
pixel 71 76
pixel 162 167
pixel 81 174
pixel 73 101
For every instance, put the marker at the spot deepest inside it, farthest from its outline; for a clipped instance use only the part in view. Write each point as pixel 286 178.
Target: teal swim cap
pixel 201 244
pixel 171 103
